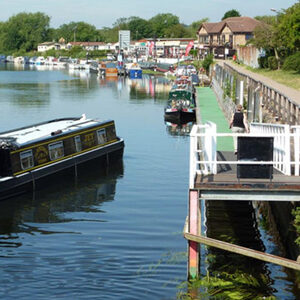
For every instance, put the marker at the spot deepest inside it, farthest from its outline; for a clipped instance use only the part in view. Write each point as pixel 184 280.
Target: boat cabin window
pixel 56 150
pixel 101 135
pixel 78 146
pixel 26 159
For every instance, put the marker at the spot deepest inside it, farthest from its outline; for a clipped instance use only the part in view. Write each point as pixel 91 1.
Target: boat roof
pixel 45 130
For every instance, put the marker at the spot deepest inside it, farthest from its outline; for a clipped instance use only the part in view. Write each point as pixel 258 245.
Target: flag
pixel 188 48
pixel 151 46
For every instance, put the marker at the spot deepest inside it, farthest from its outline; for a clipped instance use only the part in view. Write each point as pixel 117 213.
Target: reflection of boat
pixel 90 189
pixel 181 104
pixel 179 129
pixel 33 152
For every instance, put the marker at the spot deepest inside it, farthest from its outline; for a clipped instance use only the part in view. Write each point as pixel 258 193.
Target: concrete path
pixel 292 94
pixel 209 110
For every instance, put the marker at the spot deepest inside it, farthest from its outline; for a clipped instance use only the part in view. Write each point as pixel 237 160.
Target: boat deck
pixel 42 130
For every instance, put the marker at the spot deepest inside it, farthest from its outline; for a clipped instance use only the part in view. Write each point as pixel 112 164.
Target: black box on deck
pixel 255 149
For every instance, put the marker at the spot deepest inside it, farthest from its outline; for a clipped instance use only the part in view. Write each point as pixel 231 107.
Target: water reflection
pixel 179 129
pixel 57 203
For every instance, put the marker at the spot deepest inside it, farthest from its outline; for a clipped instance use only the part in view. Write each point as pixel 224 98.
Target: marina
pixel 88 222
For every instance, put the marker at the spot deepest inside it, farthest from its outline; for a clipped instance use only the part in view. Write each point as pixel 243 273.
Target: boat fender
pixel 56 132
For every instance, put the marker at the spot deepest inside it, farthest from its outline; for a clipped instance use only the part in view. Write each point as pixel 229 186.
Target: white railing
pixel 282 144
pixel 203 145
pixel 203 148
pixel 296 134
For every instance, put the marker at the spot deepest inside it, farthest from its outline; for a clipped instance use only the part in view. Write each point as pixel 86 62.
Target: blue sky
pixel 102 13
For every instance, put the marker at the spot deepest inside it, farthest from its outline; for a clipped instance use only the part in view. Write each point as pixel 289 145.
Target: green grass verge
pixel 288 78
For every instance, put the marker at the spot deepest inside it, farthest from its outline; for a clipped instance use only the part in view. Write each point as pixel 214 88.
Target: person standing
pixel 238 124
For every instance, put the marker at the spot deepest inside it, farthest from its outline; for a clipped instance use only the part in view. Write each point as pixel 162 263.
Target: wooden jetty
pixel 214 175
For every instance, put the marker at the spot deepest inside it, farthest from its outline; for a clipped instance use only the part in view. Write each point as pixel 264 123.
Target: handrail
pixel 203 150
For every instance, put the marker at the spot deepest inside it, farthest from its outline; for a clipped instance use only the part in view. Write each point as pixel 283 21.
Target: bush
pixel 272 63
pixel 208 60
pixel 263 62
pixel 292 62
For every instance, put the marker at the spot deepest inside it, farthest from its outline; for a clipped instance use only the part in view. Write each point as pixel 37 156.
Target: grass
pixel 288 78
pixel 152 72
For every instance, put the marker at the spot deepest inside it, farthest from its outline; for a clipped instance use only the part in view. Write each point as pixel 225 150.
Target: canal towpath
pixel 208 109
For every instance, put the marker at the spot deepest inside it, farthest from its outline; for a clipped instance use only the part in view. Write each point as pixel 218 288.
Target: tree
pixel 289 27
pixel 77 31
pixel 178 31
pixel 139 28
pixel 24 31
pixel 266 37
pixel 231 13
pixel 161 22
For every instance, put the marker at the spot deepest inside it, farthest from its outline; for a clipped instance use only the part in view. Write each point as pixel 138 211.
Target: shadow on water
pixel 63 194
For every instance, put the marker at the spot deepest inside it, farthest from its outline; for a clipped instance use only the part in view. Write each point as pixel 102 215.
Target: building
pixel 223 38
pixel 50 45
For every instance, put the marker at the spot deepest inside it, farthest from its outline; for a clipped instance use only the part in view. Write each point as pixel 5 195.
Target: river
pixel 108 234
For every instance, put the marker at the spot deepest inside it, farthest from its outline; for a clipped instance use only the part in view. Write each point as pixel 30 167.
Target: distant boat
pixel 33 152
pixel 40 61
pixel 134 71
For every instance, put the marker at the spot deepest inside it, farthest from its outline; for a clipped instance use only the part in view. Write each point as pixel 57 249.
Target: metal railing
pixel 203 148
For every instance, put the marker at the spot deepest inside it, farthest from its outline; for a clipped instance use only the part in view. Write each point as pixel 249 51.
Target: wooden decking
pixel 221 186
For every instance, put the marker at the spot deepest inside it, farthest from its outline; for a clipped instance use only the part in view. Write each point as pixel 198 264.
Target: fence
pixel 203 148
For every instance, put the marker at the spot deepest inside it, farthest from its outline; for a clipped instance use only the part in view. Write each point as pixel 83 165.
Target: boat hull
pixel 16 185
pixel 180 116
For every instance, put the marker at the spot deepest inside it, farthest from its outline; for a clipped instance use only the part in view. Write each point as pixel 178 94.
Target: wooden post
pixel 194 221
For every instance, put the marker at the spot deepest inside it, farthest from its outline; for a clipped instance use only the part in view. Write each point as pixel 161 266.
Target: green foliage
pixel 139 28
pixel 272 63
pixel 296 213
pixel 224 285
pixel 162 22
pixel 24 31
pixel 208 60
pixel 270 20
pixel 233 90
pixel 227 89
pixel 263 62
pixel 289 27
pixel 231 13
pixel 292 62
pixel 77 31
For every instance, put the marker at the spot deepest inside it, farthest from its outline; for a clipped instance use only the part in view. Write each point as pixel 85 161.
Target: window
pixel 78 146
pixel 101 134
pixel 56 150
pixel 248 36
pixel 26 159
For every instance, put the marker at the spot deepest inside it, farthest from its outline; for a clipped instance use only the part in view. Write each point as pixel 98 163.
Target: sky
pixel 102 13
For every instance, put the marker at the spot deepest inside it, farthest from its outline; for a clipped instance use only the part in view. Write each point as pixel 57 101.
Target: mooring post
pixel 194 228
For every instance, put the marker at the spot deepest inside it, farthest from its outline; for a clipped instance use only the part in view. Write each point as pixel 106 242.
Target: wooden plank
pixel 244 251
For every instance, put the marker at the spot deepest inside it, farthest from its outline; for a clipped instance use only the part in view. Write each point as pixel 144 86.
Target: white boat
pixel 40 61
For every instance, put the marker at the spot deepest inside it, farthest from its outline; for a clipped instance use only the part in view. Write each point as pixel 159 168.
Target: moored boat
pixel 181 106
pixel 31 153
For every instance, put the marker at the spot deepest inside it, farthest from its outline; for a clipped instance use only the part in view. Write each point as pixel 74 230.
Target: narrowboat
pixel 31 153
pixel 181 106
